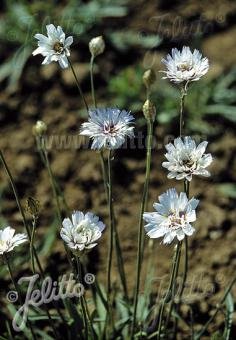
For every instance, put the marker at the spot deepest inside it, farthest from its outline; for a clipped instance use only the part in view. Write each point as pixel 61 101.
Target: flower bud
pixel 32 206
pixel 149 78
pixel 39 128
pixel 96 46
pixel 149 110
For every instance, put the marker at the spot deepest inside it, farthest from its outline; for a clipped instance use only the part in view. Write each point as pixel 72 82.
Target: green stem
pixel 15 194
pixel 79 276
pixel 104 173
pixel 120 261
pixel 32 244
pixel 17 288
pixel 182 102
pixel 218 308
pixel 174 288
pixel 14 189
pixel 186 189
pixel 56 198
pixel 169 294
pixel 51 177
pixel 140 226
pixel 78 85
pixel 111 235
pixel 92 81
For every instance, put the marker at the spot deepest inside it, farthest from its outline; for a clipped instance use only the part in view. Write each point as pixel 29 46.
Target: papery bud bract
pixel 40 128
pixel 96 46
pixel 149 78
pixel 149 110
pixel 32 206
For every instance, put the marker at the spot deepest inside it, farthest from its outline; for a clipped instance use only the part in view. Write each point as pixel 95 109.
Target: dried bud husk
pixel 149 78
pixel 32 206
pixel 149 110
pixel 96 46
pixel 40 128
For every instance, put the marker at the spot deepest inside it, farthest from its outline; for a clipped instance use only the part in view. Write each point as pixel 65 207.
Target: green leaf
pixel 229 112
pixel 227 189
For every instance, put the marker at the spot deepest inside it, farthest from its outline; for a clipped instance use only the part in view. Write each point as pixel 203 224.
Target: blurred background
pixel 137 35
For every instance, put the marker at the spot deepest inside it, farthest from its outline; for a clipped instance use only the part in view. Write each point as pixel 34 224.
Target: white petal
pixel 77 217
pixel 169 237
pixel 63 62
pixel 156 232
pixel 68 41
pixel 180 234
pixel 188 230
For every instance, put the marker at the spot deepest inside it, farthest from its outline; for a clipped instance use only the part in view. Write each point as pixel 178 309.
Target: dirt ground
pixel 49 94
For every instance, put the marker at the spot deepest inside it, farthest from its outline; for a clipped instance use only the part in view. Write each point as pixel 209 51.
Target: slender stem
pixel 54 189
pixel 104 173
pixel 51 177
pixel 92 81
pixel 14 189
pixel 186 189
pixel 111 236
pixel 169 294
pixel 79 277
pixel 182 102
pixel 120 261
pixel 32 244
pixel 78 85
pixel 218 308
pixel 174 288
pixel 17 288
pixel 140 225
pixel 15 193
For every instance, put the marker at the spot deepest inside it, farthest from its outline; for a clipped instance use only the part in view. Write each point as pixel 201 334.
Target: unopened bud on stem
pixel 149 110
pixel 96 46
pixel 149 78
pixel 40 128
pixel 32 206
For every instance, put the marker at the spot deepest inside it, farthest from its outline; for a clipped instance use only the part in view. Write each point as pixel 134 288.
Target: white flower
pixel 9 240
pixel 185 65
pixel 186 159
pixel 82 232
pixel 172 218
pixel 54 46
pixel 108 128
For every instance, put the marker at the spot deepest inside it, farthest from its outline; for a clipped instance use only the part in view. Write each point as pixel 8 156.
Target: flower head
pixel 172 218
pixel 54 46
pixel 97 46
pixel 186 159
pixel 149 110
pixel 183 66
pixel 108 128
pixel 9 240
pixel 82 232
pixel 40 128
